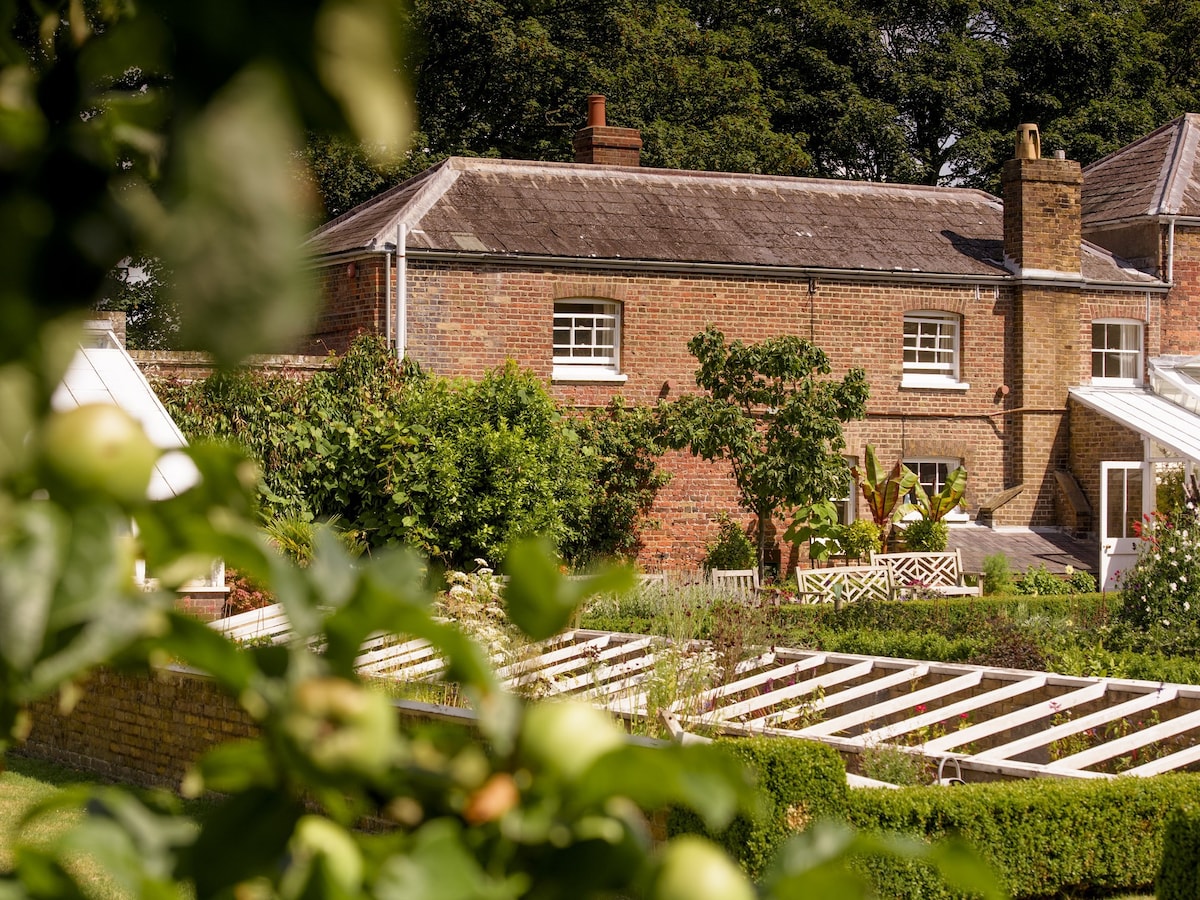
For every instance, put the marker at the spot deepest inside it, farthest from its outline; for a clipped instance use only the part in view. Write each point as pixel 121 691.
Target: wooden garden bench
pixel 742 582
pixel 844 584
pixel 941 573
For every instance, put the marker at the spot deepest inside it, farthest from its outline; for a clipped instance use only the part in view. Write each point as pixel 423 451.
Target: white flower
pixel 1186 606
pixel 1173 586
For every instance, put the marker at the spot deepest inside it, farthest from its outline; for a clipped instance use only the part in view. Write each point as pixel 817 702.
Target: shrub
pixel 800 782
pixel 732 549
pixel 1162 590
pixel 860 538
pixel 1039 582
pixel 997 578
pixel 1179 872
pixel 926 536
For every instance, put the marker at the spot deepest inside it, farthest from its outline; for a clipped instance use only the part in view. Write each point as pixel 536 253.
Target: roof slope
pixel 1158 175
pixel 579 211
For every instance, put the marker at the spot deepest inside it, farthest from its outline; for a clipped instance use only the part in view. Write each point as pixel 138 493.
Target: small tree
pixel 772 417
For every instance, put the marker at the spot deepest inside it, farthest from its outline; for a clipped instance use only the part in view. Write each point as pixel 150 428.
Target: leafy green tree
pixel 140 289
pixel 770 415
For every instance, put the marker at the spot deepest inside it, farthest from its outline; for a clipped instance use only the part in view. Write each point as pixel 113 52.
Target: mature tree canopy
pixel 889 91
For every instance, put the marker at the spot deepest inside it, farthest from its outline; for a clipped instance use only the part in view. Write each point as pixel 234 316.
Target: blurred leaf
pixel 358 57
pixel 196 644
pixel 234 237
pixel 242 838
pixel 32 546
pixel 540 599
pixel 234 767
pixel 702 777
pixel 438 867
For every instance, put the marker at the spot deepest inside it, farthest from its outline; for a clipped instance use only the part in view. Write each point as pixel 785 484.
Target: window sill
pixel 933 383
pixel 584 374
pixel 1117 382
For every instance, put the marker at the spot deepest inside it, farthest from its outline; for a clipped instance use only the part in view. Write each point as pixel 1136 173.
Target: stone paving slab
pixel 1024 548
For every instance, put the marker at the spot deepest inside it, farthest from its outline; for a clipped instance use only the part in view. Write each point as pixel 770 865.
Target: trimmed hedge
pixel 1179 874
pixel 800 781
pixel 1043 838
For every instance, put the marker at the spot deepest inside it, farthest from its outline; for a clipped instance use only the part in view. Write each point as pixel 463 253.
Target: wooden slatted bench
pixel 740 582
pixel 844 584
pixel 941 573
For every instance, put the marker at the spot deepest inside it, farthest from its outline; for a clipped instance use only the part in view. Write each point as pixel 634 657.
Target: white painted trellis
pixel 995 722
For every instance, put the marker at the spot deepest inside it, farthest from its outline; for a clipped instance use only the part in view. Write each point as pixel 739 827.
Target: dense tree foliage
pixel 911 92
pixel 458 469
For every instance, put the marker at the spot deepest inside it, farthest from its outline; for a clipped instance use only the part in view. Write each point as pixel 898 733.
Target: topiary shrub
pixel 1179 872
pixel 926 536
pixel 800 782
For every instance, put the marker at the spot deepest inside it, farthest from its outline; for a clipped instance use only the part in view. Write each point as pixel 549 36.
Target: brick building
pixel 975 317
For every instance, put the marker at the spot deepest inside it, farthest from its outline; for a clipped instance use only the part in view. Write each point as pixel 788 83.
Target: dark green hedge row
pixel 801 781
pixel 1043 838
pixel 950 616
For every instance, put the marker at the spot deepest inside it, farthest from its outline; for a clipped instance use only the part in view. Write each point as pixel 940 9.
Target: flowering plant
pixel 1162 589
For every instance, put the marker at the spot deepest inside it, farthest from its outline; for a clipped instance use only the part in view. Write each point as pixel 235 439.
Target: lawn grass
pixel 26 782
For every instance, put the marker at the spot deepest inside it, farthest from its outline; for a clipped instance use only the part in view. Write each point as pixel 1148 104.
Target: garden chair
pixel 742 582
pixel 844 584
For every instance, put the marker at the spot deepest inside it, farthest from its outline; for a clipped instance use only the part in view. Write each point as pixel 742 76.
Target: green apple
pixel 692 868
pixel 97 450
pixel 566 736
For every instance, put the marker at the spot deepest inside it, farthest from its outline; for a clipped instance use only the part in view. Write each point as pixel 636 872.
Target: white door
pixel 1123 501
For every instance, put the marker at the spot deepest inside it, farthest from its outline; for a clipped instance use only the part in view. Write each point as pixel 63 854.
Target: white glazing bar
pixel 1135 741
pixel 760 678
pixel 1168 763
pixel 908 701
pixel 795 690
pixel 1017 718
pixel 1083 723
pixel 837 698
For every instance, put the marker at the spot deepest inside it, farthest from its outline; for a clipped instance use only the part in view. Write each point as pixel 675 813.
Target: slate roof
pixel 1158 175
pixel 581 211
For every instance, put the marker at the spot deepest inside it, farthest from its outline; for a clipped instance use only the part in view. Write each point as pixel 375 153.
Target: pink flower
pixel 920 707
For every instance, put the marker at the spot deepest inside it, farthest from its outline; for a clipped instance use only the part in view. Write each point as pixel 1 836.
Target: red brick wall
pixel 1181 318
pixel 465 319
pixel 1094 439
pixel 136 728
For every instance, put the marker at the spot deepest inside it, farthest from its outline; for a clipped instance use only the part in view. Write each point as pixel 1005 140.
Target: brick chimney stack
pixel 603 145
pixel 1042 208
pixel 1042 249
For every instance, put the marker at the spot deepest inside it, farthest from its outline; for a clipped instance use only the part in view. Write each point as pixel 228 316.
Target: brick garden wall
pixel 136 728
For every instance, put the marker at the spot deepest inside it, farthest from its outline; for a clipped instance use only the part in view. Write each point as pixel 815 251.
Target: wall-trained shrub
pixel 800 782
pixel 1043 838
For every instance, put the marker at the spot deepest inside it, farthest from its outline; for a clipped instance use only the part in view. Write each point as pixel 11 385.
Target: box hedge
pixel 800 781
pixel 1179 874
pixel 1042 838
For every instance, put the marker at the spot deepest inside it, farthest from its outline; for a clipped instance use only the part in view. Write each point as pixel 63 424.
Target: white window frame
pixel 580 353
pixel 1104 352
pixel 932 333
pixel 959 514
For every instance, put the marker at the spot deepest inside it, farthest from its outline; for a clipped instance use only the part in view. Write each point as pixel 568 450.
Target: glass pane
pixel 1133 502
pixel 1115 514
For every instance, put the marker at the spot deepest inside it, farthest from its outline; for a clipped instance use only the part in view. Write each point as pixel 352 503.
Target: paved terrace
pixel 1024 548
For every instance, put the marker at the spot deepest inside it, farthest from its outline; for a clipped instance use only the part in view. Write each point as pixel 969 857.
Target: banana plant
pixel 936 507
pixel 885 491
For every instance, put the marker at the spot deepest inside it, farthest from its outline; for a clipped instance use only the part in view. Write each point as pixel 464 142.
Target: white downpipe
pixel 1171 250
pixel 387 277
pixel 401 290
